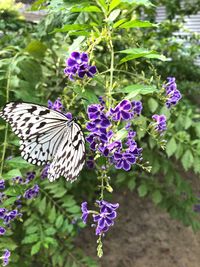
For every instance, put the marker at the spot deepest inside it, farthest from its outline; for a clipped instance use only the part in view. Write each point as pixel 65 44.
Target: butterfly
pixel 47 137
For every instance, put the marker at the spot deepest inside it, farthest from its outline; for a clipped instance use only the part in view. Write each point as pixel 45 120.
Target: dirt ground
pixel 144 236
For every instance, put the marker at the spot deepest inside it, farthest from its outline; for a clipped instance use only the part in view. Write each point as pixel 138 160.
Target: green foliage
pixel 32 70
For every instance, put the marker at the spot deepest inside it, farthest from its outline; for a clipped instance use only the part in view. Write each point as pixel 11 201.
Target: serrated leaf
pixel 171 147
pixel 142 190
pixel 137 24
pixel 35 248
pixel 156 197
pixel 187 159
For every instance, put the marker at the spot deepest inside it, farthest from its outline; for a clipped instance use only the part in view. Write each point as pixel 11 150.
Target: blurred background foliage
pixel 32 59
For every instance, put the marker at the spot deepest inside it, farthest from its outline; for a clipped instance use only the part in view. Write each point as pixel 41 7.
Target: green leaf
pixel 9 201
pixel 18 162
pixel 114 4
pixel 131 184
pixel 196 165
pixel 156 197
pixel 121 134
pixel 137 24
pixel 171 147
pixel 74 209
pixel 73 27
pixel 11 174
pixel 152 104
pixel 30 239
pixel 102 4
pixel 135 89
pixel 86 9
pixel 42 206
pixel 13 191
pixel 119 22
pixel 35 248
pixel 157 56
pixel 142 190
pixel 52 215
pixel 187 159
pixel 36 49
pixel 50 231
pixel 59 221
pixel 146 3
pixel 32 229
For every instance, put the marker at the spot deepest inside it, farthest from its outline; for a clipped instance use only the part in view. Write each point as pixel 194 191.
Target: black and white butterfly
pixel 47 137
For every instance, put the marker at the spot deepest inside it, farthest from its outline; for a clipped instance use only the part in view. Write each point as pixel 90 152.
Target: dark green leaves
pixel 137 24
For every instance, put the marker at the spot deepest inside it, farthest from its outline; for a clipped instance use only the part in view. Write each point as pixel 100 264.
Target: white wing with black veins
pixel 47 136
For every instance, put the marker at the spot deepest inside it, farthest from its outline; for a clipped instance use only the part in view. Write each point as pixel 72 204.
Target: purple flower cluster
pixel 8 216
pixel 2 184
pixel 58 106
pixel 44 172
pixel 103 139
pixel 32 192
pixel 6 257
pixel 126 110
pixel 103 219
pixel 173 94
pixel 77 65
pixel 160 125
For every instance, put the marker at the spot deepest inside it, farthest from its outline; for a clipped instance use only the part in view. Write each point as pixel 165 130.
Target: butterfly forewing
pixel 47 136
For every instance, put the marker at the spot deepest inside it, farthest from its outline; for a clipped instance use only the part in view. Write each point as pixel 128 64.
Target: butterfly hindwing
pixel 70 157
pixel 47 136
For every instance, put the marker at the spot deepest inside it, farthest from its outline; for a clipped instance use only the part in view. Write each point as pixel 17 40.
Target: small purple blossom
pixel 2 230
pixel 17 180
pixel 44 172
pixel 137 107
pixel 29 177
pixel 32 192
pixel 173 94
pixel 2 212
pixel 160 125
pixel 2 184
pixel 9 216
pixel 6 257
pixel 84 212
pixel 90 162
pixel 57 105
pixel 77 65
pixel 106 217
pixel 124 160
pixel 122 111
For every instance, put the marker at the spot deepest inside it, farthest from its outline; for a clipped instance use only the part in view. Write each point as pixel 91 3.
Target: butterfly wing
pixel 40 129
pixel 70 158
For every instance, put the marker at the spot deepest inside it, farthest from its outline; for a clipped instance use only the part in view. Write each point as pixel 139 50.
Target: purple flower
pixel 90 162
pixel 9 216
pixel 44 172
pixel 2 184
pixel 2 212
pixel 2 230
pixel 124 160
pixel 137 107
pixel 122 111
pixel 29 177
pixel 32 192
pixel 57 105
pixel 77 65
pixel 106 217
pixel 17 180
pixel 98 125
pixel 84 212
pixel 94 111
pixel 68 115
pixel 6 257
pixel 173 94
pixel 160 120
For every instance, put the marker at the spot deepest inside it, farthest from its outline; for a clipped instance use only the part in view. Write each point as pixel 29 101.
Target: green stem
pixel 111 73
pixel 6 129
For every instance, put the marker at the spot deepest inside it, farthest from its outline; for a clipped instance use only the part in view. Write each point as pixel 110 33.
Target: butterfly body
pixel 47 137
